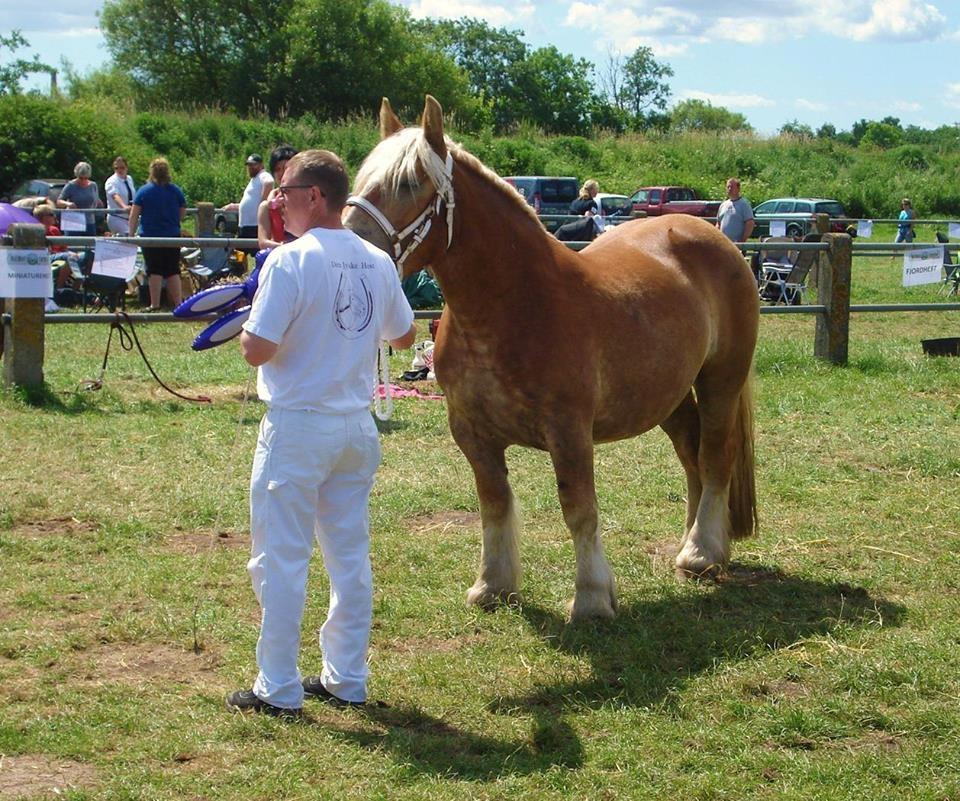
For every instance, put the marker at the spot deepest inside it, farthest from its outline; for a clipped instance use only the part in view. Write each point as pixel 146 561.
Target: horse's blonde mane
pixel 392 165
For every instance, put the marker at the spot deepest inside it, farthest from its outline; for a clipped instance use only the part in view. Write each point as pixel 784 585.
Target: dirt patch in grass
pixel 54 527
pixel 663 552
pixel 191 542
pixel 882 741
pixel 135 664
pixel 30 775
pixel 442 522
pixel 783 688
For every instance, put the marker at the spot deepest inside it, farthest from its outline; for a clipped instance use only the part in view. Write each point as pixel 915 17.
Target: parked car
pixel 42 188
pixel 547 194
pixel 799 214
pixel 615 205
pixel 658 200
pixel 226 222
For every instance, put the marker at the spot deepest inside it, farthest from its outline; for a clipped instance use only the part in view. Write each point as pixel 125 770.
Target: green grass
pixel 825 667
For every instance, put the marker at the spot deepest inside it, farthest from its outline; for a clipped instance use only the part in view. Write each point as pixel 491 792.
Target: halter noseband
pixel 420 227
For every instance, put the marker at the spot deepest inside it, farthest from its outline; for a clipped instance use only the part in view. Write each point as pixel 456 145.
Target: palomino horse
pixel 654 323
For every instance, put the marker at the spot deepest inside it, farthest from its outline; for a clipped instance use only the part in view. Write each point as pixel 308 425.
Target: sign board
pixel 25 273
pixel 953 230
pixel 116 259
pixel 73 221
pixel 922 266
pixel 865 228
pixel 778 227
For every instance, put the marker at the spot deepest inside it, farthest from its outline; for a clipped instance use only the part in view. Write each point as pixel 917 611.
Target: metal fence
pixel 24 319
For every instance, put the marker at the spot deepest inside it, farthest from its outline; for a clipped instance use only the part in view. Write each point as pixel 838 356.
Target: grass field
pixel 825 665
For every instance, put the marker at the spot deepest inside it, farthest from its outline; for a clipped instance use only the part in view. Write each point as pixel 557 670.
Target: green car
pixel 798 213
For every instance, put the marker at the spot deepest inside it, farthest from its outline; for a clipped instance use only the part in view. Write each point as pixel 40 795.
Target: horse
pixel 653 324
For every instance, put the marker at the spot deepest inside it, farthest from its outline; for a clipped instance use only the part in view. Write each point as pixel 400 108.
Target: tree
pixel 556 90
pixel 700 115
pixel 881 135
pixel 634 86
pixel 796 128
pixel 15 71
pixel 827 131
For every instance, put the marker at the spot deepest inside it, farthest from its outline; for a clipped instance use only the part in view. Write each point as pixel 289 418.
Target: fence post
pixel 23 347
pixel 204 219
pixel 821 224
pixel 832 337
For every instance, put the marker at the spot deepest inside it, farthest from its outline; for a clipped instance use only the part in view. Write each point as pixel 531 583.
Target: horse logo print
pixel 353 305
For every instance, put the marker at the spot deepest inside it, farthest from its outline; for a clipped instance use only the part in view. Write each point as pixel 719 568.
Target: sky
pixel 774 61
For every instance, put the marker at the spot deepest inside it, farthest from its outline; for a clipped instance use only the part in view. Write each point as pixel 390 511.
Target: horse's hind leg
pixel 499 577
pixel 706 548
pixel 683 428
pixel 595 593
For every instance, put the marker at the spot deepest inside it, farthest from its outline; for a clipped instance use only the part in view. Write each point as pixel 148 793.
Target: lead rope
pixel 383 407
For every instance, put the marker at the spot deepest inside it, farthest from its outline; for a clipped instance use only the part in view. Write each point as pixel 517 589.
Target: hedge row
pixel 42 137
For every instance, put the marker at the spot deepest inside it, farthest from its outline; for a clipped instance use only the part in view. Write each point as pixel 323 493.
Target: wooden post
pixel 204 219
pixel 822 226
pixel 23 347
pixel 832 338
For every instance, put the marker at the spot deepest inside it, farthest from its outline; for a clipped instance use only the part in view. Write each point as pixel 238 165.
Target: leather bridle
pixel 417 230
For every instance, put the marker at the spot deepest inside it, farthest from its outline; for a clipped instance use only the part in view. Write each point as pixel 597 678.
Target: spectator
pixel 735 217
pixel 586 203
pixel 257 190
pixel 905 232
pixel 81 193
pixel 324 303
pixel 119 189
pixel 159 207
pixel 59 255
pixel 270 227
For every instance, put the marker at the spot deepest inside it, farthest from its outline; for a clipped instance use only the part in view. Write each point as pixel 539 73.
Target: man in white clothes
pixel 324 303
pixel 256 191
pixel 120 191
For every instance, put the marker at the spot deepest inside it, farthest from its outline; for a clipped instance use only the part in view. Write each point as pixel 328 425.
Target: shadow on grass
pixel 643 658
pixel 654 648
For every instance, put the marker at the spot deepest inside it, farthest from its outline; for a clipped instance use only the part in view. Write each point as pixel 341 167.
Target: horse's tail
pixel 743 493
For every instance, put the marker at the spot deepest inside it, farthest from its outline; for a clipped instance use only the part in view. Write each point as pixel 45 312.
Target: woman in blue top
pixel 159 207
pixel 905 232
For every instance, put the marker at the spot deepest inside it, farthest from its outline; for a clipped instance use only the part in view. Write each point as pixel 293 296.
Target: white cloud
pixel 496 15
pixel 810 105
pixel 727 100
pixel 57 16
pixel 906 106
pixel 952 95
pixel 901 20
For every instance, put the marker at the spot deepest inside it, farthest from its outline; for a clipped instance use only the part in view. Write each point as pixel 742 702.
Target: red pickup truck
pixel 657 200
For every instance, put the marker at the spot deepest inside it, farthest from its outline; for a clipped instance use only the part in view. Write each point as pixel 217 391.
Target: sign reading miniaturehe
pixel 25 273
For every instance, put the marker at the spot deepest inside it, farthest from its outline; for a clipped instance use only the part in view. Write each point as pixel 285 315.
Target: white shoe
pixel 50 306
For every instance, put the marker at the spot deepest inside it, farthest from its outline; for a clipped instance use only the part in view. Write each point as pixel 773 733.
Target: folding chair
pixel 785 281
pixel 206 266
pixel 951 278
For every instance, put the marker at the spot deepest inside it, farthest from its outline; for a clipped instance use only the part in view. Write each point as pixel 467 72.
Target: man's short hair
pixel 325 170
pixel 281 153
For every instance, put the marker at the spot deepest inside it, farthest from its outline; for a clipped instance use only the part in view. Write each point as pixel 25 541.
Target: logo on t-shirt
pixel 353 305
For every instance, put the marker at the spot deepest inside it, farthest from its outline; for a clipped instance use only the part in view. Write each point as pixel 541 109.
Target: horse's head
pixel 403 195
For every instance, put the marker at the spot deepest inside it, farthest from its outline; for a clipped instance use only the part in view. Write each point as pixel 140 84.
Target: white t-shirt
pixel 252 196
pixel 115 185
pixel 327 299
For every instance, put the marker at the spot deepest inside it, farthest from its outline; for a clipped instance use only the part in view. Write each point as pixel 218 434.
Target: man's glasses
pixel 284 189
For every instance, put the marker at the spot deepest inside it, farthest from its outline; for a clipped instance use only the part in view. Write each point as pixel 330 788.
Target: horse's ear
pixel 389 122
pixel 433 126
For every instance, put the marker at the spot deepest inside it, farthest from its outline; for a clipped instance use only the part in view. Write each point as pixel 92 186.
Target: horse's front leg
pixel 499 577
pixel 595 593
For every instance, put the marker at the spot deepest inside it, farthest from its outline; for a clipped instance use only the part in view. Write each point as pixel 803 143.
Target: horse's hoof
pixel 698 569
pixel 593 606
pixel 489 598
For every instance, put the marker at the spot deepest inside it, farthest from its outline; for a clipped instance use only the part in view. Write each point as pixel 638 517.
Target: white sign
pixel 73 221
pixel 25 273
pixel 865 228
pixel 953 229
pixel 922 266
pixel 116 259
pixel 778 227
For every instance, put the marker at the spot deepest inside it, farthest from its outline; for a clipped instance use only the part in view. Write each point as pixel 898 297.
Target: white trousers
pixel 118 225
pixel 312 476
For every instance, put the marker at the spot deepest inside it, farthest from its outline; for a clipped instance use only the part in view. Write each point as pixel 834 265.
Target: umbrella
pixel 11 214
